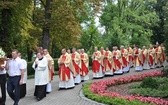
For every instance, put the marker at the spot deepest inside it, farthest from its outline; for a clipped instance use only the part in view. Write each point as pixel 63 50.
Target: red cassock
pixel 84 69
pixel 106 61
pixel 116 61
pixel 130 57
pixel 157 56
pixel 64 71
pixel 136 58
pixel 163 55
pixel 77 68
pixel 52 74
pixel 143 57
pixel 124 60
pixel 151 61
pixel 96 65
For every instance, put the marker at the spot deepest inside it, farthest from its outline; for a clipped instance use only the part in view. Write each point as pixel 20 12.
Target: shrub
pixel 165 70
pixel 147 90
pixel 149 83
pixel 30 70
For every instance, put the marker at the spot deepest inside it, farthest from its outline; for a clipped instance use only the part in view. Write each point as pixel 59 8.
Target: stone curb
pixel 82 96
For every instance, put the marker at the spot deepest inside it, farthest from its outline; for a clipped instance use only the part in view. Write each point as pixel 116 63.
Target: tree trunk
pixel 29 53
pixel 46 27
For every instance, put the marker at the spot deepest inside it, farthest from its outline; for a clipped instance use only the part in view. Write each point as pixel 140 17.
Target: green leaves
pixel 128 19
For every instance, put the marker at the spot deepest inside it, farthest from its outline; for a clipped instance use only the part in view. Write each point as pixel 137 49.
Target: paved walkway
pixel 62 97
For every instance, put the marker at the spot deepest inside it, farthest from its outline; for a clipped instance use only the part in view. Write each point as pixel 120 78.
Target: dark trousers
pixel 13 88
pixel 3 88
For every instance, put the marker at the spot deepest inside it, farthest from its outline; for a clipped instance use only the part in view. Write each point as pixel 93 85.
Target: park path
pixel 62 97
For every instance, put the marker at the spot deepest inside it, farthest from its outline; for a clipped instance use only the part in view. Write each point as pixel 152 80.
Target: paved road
pixel 62 97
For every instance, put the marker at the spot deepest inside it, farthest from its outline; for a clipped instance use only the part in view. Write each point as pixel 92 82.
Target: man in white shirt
pixel 15 70
pixel 3 83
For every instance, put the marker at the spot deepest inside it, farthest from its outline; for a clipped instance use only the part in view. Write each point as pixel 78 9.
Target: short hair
pixel 15 50
pixel 19 54
pixel 45 50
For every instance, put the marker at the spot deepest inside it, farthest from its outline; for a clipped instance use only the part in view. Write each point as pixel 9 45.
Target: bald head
pixel 63 51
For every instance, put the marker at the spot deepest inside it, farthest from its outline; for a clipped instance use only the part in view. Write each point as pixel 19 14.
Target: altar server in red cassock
pixel 117 60
pixel 137 58
pixel 158 56
pixel 124 59
pixel 102 57
pixel 107 62
pixel 130 56
pixel 151 56
pixel 84 65
pixel 76 61
pixel 65 72
pixel 96 64
pixel 145 56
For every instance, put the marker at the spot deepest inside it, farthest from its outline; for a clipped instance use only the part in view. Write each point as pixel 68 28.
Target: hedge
pixel 108 100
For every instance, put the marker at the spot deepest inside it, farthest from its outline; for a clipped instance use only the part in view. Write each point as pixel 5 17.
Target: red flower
pixel 100 87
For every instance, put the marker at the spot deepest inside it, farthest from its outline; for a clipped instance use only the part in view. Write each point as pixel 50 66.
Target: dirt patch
pixel 122 89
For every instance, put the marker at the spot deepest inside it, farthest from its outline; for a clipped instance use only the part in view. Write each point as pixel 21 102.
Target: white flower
pixel 2 53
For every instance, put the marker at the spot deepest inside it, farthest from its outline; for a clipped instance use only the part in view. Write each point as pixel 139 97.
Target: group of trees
pixel 57 24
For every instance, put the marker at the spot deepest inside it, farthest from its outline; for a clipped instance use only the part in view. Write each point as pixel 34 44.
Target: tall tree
pixel 166 26
pixel 5 10
pixel 158 30
pixel 91 37
pixel 62 19
pixel 127 19
pixel 15 23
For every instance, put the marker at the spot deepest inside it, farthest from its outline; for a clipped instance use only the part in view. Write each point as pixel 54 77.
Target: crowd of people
pixel 74 68
pixel 120 60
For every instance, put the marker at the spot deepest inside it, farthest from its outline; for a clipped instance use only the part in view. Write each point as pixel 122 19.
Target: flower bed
pixel 151 86
pixel 100 88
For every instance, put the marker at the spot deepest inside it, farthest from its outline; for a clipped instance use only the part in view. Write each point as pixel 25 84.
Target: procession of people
pixel 74 68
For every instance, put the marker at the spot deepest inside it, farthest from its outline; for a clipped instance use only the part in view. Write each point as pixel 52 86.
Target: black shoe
pixel 38 99
pixel 47 92
pixel 76 83
pixel 70 88
pixel 61 88
pixel 15 104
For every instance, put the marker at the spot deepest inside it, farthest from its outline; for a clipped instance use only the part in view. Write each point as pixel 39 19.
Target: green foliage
pixel 140 41
pixel 129 21
pixel 149 92
pixel 166 26
pixel 108 100
pixel 159 32
pixel 149 83
pixel 18 25
pixel 91 38
pixel 155 87
pixel 165 70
